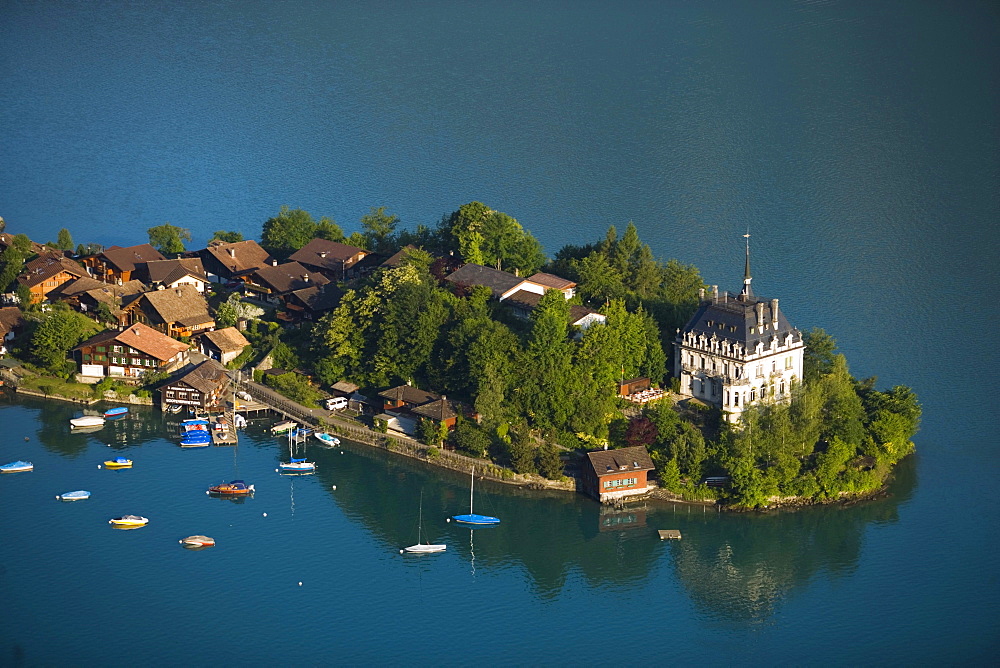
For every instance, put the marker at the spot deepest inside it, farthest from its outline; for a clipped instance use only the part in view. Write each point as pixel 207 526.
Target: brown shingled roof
pixel 409 394
pixel 125 259
pixel 227 340
pixel 46 266
pixel 10 317
pixel 168 271
pixel 606 462
pixel 183 304
pixel 207 377
pixel 143 338
pixel 439 410
pixel 239 256
pixel 552 281
pixel 324 254
pixel 288 277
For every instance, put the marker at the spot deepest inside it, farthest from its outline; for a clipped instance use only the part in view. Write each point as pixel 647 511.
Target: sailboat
pixel 295 465
pixel 420 547
pixel 472 518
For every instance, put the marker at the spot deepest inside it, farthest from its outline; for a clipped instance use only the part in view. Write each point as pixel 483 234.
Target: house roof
pixel 183 304
pixel 523 299
pixel 319 298
pixel 578 313
pixel 141 337
pixel 476 274
pixel 729 317
pixel 125 259
pixel 206 377
pixel 169 271
pixel 227 340
pixel 238 257
pixel 409 394
pixel 10 318
pixel 396 259
pixel 98 290
pixel 328 255
pixel 344 386
pixel 610 462
pixel 6 239
pixel 46 266
pixel 552 281
pixel 288 277
pixel 439 410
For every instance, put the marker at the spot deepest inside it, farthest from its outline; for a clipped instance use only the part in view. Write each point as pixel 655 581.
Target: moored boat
pixel 197 541
pixel 283 426
pixel 196 439
pixel 87 421
pixel 297 466
pixel 232 488
pixel 17 467
pixel 118 463
pixel 128 521
pixel 174 408
pixel 116 412
pixel 327 439
pixel 196 424
pixel 78 495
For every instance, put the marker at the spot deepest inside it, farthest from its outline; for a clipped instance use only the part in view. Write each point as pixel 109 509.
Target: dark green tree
pixel 379 228
pixel 228 237
pixel 289 231
pixel 64 241
pixel 168 239
pixel 59 331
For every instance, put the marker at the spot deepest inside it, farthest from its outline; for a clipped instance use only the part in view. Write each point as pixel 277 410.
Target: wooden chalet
pixel 177 312
pixel 11 323
pixel 334 260
pixel 274 282
pixel 6 239
pixel 86 294
pixel 47 272
pixel 129 353
pixel 223 345
pixel 117 264
pixel 440 411
pixel 406 396
pixel 225 262
pixel 203 386
pixel 609 475
pixel 312 302
pixel 166 274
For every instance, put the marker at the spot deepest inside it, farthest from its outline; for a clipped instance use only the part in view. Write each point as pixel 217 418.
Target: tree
pixel 294 386
pixel 378 229
pixel 550 464
pixel 56 335
pixel 289 231
pixel 168 239
pixel 469 438
pixel 819 354
pixel 492 238
pixel 228 237
pixel 64 241
pixel 12 260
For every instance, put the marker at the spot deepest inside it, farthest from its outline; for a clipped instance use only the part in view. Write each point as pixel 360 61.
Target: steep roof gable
pixel 169 271
pixel 125 259
pixel 288 276
pixel 239 256
pixel 183 304
pixel 324 254
pixel 476 274
pixel 608 462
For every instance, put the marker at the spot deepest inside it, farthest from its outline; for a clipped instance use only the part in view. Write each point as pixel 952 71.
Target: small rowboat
pixel 17 467
pixel 197 541
pixel 87 421
pixel 128 521
pixel 116 412
pixel 118 463
pixel 233 488
pixel 78 495
pixel 283 426
pixel 327 439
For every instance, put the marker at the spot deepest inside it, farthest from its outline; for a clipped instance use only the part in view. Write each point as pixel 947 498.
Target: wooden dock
pixel 669 534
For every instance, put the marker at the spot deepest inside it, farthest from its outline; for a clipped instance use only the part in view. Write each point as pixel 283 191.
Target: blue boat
pixel 195 425
pixel 196 439
pixel 116 412
pixel 473 518
pixel 17 467
pixel 78 495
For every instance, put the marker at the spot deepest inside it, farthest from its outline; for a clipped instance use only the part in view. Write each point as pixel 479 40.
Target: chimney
pixel 232 252
pixel 760 314
pixel 774 313
pixel 322 253
pixel 701 294
pixel 715 294
pixel 136 331
pixel 305 278
pixel 274 263
pixel 178 291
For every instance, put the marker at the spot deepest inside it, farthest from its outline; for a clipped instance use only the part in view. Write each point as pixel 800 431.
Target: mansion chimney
pixel 760 315
pixel 774 313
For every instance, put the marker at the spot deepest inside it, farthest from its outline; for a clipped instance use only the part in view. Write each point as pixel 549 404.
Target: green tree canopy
pixel 492 238
pixel 168 239
pixel 292 229
pixel 64 241
pixel 379 228
pixel 228 237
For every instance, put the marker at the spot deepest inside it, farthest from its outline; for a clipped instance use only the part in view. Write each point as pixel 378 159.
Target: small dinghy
pixel 118 463
pixel 87 421
pixel 327 439
pixel 116 412
pixel 78 495
pixel 128 521
pixel 283 426
pixel 233 488
pixel 197 541
pixel 17 467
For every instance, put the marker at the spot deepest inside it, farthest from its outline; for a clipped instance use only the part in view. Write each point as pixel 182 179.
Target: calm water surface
pixel 857 140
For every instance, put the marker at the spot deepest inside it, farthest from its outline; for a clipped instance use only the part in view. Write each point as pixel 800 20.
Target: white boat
pixel 78 495
pixel 128 521
pixel 283 426
pixel 197 541
pixel 87 421
pixel 17 467
pixel 420 547
pixel 327 439
pixel 296 465
pixel 472 518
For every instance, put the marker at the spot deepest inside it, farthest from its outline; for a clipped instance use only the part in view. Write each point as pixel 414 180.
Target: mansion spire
pixel 747 293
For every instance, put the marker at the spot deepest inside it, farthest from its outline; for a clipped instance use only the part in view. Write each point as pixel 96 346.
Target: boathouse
pixel 610 475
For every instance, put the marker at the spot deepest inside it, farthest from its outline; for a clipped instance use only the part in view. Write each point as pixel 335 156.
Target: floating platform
pixel 669 534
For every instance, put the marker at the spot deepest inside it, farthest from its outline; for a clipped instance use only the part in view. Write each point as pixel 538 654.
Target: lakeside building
pixel 11 323
pixel 86 294
pixel 225 262
pixel 223 345
pixel 609 475
pixel 273 283
pixel 130 353
pixel 334 260
pixel 738 350
pixel 181 311
pixel 117 264
pixel 203 386
pixel 48 272
pixel 167 274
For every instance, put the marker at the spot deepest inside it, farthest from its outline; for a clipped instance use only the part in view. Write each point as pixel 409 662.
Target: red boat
pixel 233 488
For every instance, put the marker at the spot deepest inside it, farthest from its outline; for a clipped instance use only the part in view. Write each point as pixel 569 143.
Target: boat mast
pixel 472 486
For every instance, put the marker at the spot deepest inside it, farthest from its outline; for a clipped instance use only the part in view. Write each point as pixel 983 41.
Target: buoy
pixel 98 466
pixel 57 497
pixel 265 514
pixel 300 584
pixel 401 552
pixel 335 487
pixel 26 438
pixel 206 491
pixel 448 520
pixel 275 470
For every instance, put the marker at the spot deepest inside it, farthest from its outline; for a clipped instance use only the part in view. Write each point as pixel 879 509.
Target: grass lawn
pixel 48 385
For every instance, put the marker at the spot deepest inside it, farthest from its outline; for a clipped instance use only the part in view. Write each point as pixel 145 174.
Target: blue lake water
pixel 857 140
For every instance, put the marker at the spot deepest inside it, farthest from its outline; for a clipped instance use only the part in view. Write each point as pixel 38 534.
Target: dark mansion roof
pixel 730 317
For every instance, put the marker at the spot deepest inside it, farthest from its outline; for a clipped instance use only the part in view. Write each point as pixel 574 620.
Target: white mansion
pixel 738 350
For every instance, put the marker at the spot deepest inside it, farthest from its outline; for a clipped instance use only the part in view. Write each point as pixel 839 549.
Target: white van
pixel 336 403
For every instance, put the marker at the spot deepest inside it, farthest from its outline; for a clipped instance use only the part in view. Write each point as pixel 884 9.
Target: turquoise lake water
pixel 857 140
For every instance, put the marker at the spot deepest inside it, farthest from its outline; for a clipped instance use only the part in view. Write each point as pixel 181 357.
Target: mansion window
pixel 753 394
pixel 788 362
pixel 760 370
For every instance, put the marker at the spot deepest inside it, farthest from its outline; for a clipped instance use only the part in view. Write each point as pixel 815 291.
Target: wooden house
pixel 440 411
pixel 225 262
pixel 47 272
pixel 223 345
pixel 334 260
pixel 203 386
pixel 86 294
pixel 11 323
pixel 181 311
pixel 609 475
pixel 406 396
pixel 167 274
pixel 273 283
pixel 129 353
pixel 117 264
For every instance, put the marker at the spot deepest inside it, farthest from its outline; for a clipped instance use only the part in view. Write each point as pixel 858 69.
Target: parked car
pixel 336 403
